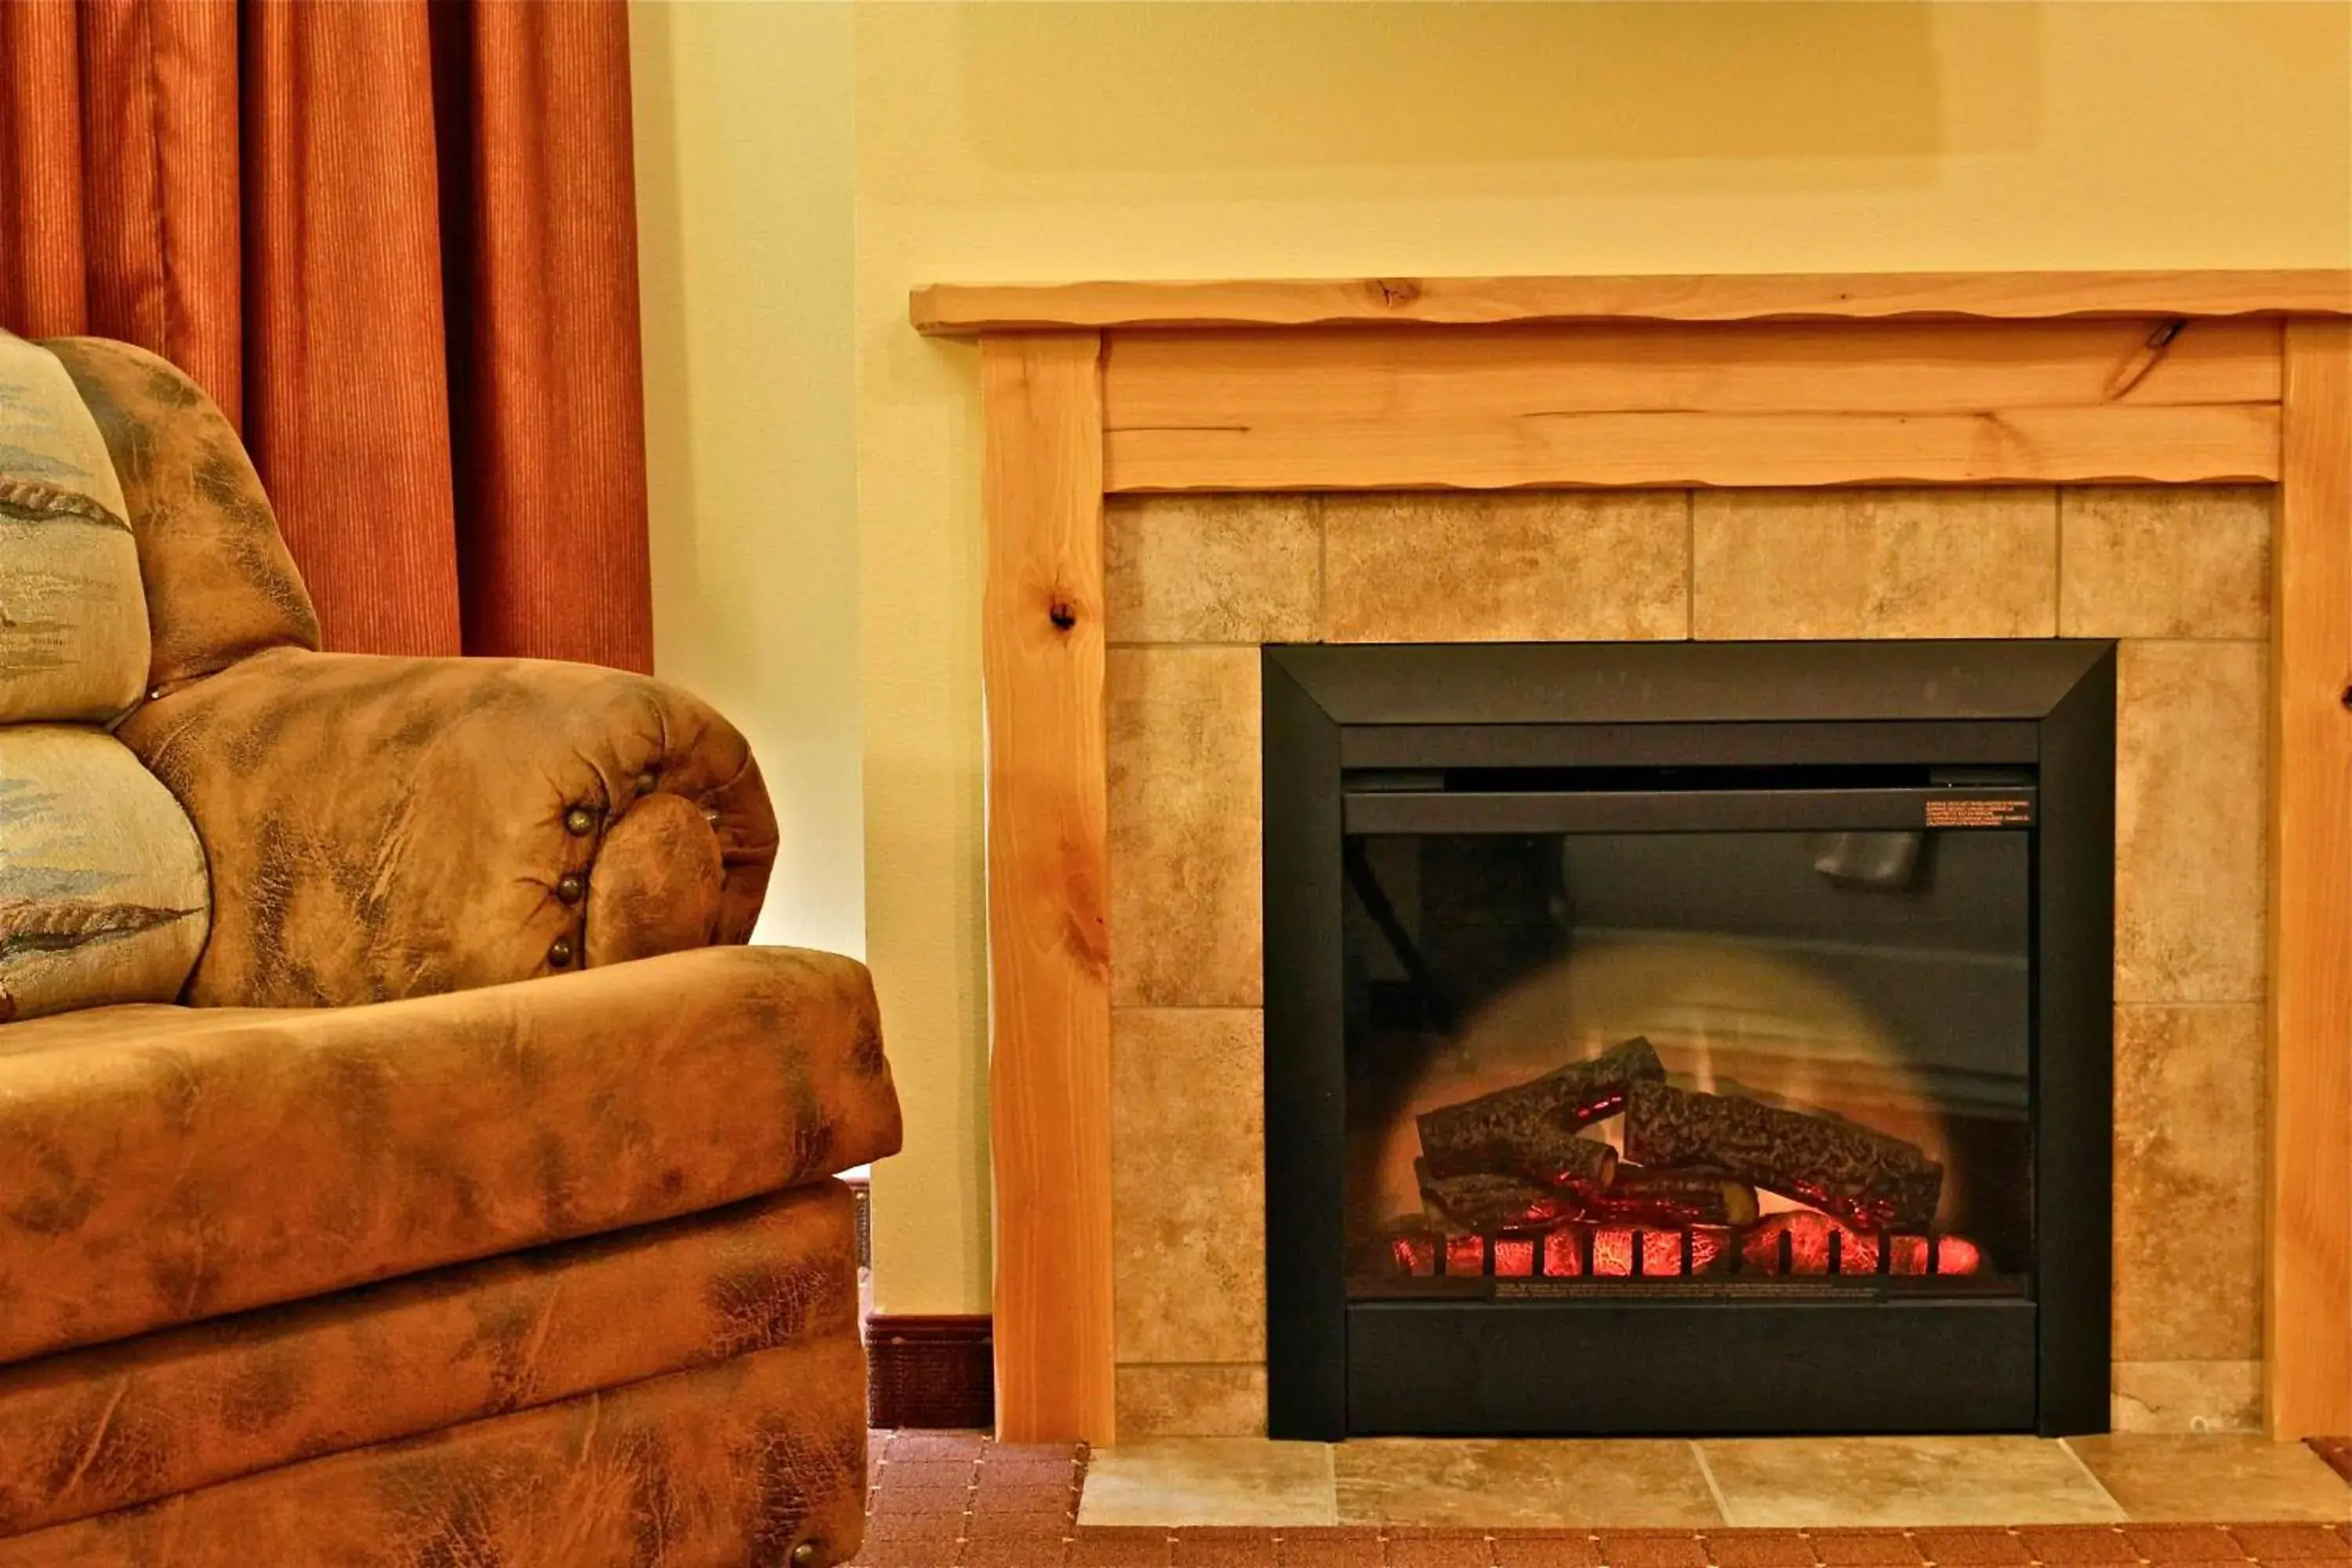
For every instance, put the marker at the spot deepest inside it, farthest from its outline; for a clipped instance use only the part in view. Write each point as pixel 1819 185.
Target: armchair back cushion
pixel 103 890
pixel 73 621
pixel 103 887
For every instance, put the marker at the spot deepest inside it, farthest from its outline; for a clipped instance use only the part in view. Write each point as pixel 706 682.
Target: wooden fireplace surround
pixel 1385 384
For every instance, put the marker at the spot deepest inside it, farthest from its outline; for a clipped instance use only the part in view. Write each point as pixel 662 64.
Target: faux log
pixel 1530 1130
pixel 1863 1177
pixel 1681 1198
pixel 1486 1202
pixel 1568 1164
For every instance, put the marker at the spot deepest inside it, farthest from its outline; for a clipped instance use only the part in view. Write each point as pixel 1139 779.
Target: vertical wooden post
pixel 1049 1066
pixel 2309 1314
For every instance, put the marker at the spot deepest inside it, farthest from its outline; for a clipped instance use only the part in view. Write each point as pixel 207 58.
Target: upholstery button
pixel 805 1555
pixel 570 885
pixel 645 781
pixel 580 822
pixel 559 952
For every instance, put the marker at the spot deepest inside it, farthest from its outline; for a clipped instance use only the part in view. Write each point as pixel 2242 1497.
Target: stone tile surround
pixel 1195 584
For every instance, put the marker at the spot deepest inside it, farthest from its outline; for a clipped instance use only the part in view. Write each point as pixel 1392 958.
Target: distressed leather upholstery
pixel 467 789
pixel 164 1413
pixel 219 582
pixel 424 1132
pixel 475 1203
pixel 740 1463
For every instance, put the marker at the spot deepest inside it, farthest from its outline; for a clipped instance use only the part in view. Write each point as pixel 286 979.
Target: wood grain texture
pixel 1398 374
pixel 2118 443
pixel 1049 1076
pixel 1675 404
pixel 968 309
pixel 2309 1320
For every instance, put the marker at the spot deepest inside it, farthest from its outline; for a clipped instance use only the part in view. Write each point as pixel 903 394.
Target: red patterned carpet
pixel 944 1500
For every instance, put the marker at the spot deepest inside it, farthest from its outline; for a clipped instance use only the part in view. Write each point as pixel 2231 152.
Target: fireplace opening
pixel 1734 1060
pixel 1688 1038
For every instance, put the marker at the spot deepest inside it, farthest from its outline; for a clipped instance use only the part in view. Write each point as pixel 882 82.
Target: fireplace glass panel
pixel 1689 1064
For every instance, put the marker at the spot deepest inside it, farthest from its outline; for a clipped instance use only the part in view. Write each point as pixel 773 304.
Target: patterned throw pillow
pixel 103 896
pixel 73 619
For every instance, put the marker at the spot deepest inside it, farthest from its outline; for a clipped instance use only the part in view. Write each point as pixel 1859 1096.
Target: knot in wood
pixel 1062 614
pixel 1396 292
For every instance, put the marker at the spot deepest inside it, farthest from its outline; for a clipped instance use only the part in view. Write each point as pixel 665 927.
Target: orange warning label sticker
pixel 1979 813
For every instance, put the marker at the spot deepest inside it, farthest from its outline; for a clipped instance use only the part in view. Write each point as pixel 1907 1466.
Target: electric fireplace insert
pixel 1687 1038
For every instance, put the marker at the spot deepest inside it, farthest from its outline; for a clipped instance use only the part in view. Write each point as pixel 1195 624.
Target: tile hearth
pixel 1771 1483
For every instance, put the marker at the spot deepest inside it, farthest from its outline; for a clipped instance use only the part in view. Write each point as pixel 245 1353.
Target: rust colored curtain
pixel 397 242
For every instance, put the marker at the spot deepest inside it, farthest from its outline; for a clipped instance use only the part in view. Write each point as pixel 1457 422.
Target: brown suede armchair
pixel 475 1207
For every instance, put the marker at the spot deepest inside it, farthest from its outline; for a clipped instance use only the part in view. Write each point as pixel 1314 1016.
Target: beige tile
pixel 1191 1402
pixel 1184 827
pixel 2165 561
pixel 2190 1133
pixel 1209 1480
pixel 2191 807
pixel 1874 563
pixel 1521 1483
pixel 1547 565
pixel 1216 569
pixel 1801 1482
pixel 2183 1397
pixel 1188 1185
pixel 2245 1479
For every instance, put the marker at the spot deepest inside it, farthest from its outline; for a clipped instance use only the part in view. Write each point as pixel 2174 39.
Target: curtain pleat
pixel 397 240
pixel 160 164
pixel 347 399
pixel 42 257
pixel 539 263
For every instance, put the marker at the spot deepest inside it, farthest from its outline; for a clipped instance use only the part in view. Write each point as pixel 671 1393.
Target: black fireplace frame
pixel 1443 1367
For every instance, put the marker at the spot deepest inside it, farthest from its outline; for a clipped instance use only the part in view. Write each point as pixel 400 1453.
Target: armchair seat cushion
pixel 160 1165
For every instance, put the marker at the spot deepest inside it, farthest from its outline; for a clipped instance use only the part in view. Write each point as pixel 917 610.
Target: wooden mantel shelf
pixel 969 310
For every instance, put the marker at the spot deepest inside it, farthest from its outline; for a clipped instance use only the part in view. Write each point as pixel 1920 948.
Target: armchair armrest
pixel 381 827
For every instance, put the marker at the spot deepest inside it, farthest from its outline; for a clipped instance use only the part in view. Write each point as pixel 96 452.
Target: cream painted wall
pixel 1007 140
pixel 1017 142
pixel 745 121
